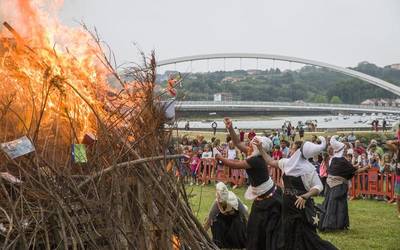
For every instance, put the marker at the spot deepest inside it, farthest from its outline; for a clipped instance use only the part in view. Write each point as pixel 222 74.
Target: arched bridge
pixel 364 77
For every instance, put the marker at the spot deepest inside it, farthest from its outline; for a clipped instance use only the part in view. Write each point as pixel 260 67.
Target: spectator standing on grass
pixel 394 147
pixel 398 134
pixel 289 130
pixel 214 126
pixel 384 124
pixel 275 139
pixel 359 148
pixel 374 148
pixel 351 138
pixel 277 153
pixel 285 148
pixel 241 135
pixel 323 170
pixel 194 166
pixel 251 134
pixel 301 132
pixel 237 174
pixel 292 134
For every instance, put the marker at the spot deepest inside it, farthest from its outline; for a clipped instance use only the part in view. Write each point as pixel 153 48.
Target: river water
pixel 323 122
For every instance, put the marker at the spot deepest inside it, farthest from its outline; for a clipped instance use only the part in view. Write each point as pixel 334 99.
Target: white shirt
pixel 206 154
pixel 231 154
pixel 310 180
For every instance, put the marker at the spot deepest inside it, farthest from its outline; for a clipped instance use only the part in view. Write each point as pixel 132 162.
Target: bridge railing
pixel 288 104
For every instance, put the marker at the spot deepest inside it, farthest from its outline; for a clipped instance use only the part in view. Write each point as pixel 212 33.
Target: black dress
pixel 336 215
pixel 229 230
pixel 264 228
pixel 298 232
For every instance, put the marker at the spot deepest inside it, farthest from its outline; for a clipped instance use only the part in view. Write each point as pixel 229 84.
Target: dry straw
pixel 123 197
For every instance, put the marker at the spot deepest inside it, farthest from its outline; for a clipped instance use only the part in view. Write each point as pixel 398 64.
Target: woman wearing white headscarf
pixel 227 219
pixel 301 183
pixel 264 225
pixel 340 171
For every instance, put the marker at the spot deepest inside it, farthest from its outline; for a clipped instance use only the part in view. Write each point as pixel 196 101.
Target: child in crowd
pixel 194 167
pixel 277 153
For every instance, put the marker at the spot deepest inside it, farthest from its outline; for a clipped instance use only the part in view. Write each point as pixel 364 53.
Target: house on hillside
pixel 370 102
pixel 382 102
pixel 230 79
pixel 223 97
pixel 395 66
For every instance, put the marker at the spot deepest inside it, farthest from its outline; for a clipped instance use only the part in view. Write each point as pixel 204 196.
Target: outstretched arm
pixel 268 159
pixel 232 163
pixel 360 170
pixel 235 139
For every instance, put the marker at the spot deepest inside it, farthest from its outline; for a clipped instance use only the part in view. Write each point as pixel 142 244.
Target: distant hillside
pixel 311 84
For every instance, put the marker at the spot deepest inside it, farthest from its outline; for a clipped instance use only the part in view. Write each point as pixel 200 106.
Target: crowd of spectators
pixel 361 153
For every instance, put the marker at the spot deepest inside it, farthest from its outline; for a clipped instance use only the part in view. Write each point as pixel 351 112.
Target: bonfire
pixel 83 164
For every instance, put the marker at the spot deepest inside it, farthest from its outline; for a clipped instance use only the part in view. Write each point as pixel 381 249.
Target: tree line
pixel 309 83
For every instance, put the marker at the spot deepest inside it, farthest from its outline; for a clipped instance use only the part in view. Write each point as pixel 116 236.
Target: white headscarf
pixel 224 195
pixel 337 146
pixel 265 142
pixel 297 165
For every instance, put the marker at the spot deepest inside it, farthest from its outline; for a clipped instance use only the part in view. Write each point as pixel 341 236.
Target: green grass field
pixel 373 224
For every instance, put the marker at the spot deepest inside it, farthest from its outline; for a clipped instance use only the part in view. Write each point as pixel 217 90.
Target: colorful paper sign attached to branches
pixel 79 153
pixel 18 147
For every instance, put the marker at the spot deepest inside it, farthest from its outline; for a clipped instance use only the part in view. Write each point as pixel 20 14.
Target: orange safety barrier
pixel 209 171
pixel 373 183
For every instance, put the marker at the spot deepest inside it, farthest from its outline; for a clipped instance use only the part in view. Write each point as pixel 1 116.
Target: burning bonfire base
pixel 83 165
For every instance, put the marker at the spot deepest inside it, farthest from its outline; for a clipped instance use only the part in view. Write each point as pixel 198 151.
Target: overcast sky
pixel 341 32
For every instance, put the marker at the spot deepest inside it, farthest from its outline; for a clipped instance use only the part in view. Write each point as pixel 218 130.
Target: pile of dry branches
pixel 123 196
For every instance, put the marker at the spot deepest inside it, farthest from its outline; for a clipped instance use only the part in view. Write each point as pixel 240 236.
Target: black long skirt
pixel 299 233
pixel 229 231
pixel 336 215
pixel 264 229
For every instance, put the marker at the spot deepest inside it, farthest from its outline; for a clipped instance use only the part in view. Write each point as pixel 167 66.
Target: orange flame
pixel 50 74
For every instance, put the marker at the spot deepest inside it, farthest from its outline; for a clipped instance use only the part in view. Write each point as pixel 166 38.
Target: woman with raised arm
pixel 264 225
pixel 301 183
pixel 340 171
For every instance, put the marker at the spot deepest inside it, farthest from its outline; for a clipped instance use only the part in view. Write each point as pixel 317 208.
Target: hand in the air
pixel 258 143
pixel 228 122
pixel 300 203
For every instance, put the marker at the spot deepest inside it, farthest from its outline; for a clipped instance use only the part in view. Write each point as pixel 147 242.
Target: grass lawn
pixel 373 224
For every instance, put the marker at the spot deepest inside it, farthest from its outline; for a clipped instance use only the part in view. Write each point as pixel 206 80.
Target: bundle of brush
pixel 83 164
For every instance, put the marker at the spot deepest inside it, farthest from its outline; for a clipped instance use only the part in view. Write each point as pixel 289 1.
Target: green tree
pixel 336 100
pixel 319 99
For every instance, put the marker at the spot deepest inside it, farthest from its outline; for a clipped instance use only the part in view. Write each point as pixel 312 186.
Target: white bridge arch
pixel 364 77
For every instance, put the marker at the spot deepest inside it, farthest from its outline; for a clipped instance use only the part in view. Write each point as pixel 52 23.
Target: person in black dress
pixel 301 183
pixel 264 225
pixel 340 171
pixel 227 219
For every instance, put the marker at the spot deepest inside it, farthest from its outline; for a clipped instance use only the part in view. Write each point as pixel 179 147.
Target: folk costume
pixel 340 171
pixel 299 176
pixel 228 219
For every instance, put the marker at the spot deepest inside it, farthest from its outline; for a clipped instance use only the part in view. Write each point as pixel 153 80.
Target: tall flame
pixel 50 75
